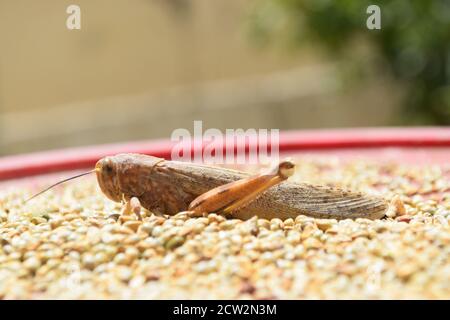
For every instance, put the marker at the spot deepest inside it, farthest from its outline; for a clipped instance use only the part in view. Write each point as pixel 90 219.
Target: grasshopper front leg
pixel 131 206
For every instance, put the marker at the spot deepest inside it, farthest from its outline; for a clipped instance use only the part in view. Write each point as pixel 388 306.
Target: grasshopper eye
pixel 108 168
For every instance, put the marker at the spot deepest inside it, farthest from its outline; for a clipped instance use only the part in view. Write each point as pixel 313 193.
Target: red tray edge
pixel 19 166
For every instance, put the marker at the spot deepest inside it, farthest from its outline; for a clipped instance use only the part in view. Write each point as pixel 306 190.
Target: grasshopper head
pixel 107 177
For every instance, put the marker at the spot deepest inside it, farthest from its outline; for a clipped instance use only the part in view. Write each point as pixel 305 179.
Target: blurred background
pixel 138 69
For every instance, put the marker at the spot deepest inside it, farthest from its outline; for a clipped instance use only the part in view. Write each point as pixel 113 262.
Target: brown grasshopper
pixel 170 187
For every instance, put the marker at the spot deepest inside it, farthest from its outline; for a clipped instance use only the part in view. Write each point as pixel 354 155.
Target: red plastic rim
pixel 431 144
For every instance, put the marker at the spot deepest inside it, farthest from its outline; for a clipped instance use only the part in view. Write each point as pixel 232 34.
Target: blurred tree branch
pixel 414 41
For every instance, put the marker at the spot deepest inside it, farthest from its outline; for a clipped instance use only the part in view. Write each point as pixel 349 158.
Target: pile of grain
pixel 71 243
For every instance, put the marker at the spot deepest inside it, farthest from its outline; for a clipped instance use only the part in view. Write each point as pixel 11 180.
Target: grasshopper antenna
pixel 60 182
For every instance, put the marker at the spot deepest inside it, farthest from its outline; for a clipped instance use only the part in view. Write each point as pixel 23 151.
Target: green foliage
pixel 414 40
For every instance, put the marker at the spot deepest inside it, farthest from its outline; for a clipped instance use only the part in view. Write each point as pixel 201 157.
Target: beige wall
pixel 140 68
